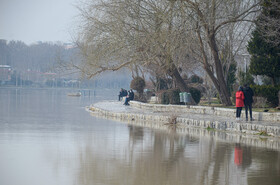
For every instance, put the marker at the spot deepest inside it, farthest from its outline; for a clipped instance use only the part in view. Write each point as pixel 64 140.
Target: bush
pixel 196 79
pixel 164 99
pixel 259 102
pixel 138 84
pixel 174 96
pixel 196 94
pixel 269 92
pixel 140 98
pixel 170 96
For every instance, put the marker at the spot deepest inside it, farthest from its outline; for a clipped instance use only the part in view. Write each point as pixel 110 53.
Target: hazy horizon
pixel 31 21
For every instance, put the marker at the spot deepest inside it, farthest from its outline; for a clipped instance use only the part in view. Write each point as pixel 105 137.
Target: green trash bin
pixel 187 97
pixel 181 97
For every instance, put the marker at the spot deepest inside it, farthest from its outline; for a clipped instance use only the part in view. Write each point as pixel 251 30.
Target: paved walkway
pixel 118 107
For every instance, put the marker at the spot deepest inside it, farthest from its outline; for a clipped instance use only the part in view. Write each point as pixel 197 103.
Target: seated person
pixel 129 97
pixel 123 93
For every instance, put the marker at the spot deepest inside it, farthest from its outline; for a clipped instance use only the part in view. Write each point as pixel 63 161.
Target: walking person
pixel 239 102
pixel 248 94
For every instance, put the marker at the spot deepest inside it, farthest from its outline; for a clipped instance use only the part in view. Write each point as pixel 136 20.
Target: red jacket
pixel 239 99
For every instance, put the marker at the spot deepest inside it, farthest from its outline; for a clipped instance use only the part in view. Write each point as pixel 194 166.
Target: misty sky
pixel 38 20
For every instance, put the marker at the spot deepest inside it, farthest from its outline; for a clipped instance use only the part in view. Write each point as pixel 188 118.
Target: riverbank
pixel 185 117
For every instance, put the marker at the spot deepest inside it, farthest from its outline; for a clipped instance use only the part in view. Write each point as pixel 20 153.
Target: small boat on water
pixel 75 94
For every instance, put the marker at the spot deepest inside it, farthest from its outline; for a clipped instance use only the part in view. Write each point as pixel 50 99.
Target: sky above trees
pixel 38 20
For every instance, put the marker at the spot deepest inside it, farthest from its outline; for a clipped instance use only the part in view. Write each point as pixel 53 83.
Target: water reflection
pixel 48 138
pixel 155 157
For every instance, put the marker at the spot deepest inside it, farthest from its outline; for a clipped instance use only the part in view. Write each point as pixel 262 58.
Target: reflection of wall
pixel 168 154
pixel 190 125
pixel 252 140
pixel 147 156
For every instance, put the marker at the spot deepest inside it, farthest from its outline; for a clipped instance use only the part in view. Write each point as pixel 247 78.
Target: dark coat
pixel 248 94
pixel 125 93
pixel 131 95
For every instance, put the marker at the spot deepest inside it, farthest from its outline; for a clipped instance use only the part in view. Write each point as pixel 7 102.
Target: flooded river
pixel 47 138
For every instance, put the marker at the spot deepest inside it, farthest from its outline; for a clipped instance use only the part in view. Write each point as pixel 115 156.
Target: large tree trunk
pixel 218 79
pixel 174 73
pixel 224 95
pixel 221 83
pixel 222 90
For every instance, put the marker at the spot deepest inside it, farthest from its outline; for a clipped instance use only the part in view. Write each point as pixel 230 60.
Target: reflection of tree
pixel 247 157
pixel 155 157
pixel 208 160
pixel 216 159
pixel 266 168
pixel 218 163
pixel 153 161
pixel 220 157
pixel 135 133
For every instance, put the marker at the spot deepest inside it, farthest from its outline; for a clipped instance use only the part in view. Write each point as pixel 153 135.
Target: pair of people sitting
pixel 130 96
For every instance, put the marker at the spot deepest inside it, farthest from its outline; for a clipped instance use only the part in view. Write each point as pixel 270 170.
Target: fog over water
pixel 47 137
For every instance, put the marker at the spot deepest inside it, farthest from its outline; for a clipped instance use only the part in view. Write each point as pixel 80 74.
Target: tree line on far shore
pixel 43 64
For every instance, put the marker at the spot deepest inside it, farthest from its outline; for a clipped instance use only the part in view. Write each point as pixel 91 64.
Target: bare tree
pixel 212 19
pixel 135 34
pixel 168 34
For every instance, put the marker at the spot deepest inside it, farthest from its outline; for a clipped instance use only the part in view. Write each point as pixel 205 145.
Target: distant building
pixel 50 75
pixel 5 73
pixel 31 75
pixel 68 45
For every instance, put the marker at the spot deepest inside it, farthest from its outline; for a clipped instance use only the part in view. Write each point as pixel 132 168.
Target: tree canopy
pixel 265 58
pixel 166 37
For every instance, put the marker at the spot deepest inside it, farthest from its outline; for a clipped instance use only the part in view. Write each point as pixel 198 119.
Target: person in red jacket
pixel 239 102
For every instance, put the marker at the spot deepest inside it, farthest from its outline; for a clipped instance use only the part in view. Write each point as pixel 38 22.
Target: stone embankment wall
pixel 161 123
pixel 162 118
pixel 231 137
pixel 181 109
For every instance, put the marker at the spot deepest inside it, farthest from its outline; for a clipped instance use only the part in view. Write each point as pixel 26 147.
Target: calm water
pixel 47 138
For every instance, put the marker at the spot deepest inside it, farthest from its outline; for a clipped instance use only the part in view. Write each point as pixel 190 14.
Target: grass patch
pixel 269 109
pixel 215 103
pixel 263 133
pixel 210 129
